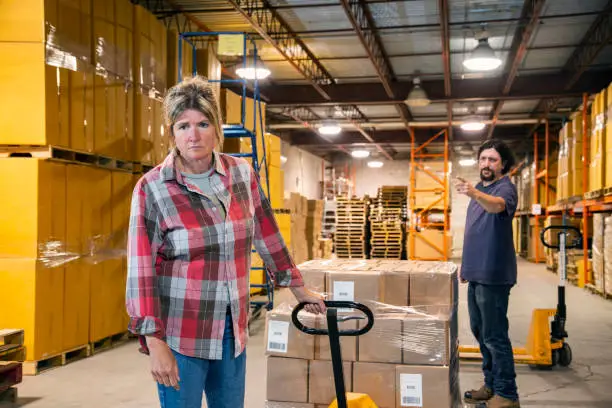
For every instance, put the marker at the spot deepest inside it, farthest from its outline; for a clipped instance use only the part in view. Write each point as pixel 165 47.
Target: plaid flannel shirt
pixel 186 264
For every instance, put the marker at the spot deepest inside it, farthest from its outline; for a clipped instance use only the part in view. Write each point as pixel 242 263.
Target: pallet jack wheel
pixel 565 355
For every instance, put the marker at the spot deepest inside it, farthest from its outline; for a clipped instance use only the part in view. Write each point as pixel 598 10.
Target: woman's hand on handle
pixel 315 301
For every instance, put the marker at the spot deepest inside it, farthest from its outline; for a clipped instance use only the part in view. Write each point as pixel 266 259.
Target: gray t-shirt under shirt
pixel 202 181
pixel 489 256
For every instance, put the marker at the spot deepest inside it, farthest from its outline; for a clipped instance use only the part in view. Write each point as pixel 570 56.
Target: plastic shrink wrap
pixel 408 359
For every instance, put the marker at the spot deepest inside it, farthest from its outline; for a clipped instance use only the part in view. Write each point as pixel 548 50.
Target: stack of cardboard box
pixel 298 208
pixel 607 273
pixel 314 223
pixel 409 357
pixel 326 247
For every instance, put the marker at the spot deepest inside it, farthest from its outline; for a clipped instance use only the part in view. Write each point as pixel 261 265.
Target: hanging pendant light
pixel 483 57
pixel 417 96
pixel 253 70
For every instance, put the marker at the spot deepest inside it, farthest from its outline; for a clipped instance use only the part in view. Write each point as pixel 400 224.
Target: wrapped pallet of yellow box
pixel 32 252
pixel 42 47
pixel 597 143
pixel 608 139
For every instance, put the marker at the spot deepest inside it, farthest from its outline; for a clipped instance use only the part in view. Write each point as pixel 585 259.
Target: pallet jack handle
pixel 334 336
pixel 558 331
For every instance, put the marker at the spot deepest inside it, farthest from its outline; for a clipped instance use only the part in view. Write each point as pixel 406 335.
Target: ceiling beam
pixel 445 38
pixel 464 90
pixel 271 27
pixel 359 15
pixel 595 39
pixel 530 18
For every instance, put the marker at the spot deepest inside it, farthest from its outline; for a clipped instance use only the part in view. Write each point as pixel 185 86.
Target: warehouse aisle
pixel 119 378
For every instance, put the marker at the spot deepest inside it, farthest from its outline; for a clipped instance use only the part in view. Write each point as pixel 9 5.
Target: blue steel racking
pixel 238 131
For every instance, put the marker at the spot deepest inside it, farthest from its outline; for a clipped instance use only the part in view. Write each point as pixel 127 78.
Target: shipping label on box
pixel 283 339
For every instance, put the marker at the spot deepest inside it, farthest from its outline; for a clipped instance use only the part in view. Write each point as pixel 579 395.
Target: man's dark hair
pixel 504 152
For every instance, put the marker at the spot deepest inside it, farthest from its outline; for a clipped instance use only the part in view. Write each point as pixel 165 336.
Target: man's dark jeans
pixel 488 308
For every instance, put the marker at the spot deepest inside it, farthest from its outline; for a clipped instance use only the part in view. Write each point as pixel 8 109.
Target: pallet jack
pixel 546 346
pixel 343 399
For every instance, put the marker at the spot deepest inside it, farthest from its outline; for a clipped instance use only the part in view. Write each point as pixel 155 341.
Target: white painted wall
pixel 303 172
pixel 367 180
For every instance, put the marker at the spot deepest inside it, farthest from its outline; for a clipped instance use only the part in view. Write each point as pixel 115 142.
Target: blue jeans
pixel 488 309
pixel 223 381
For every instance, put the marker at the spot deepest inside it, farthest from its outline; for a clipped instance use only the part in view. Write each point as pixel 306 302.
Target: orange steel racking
pixel 418 219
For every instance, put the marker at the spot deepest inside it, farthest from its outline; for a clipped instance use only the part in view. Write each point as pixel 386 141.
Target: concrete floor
pixel 119 378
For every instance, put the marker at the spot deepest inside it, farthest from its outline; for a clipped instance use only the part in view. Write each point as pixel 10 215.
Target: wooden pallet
pixel 11 345
pixel 607 191
pixel 594 194
pixel 63 154
pixel 109 342
pixel 8 397
pixel 56 360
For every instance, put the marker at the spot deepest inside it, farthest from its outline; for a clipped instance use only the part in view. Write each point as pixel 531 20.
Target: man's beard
pixel 487 177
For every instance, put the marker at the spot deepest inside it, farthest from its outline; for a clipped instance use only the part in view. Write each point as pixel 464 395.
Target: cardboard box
pixel 283 339
pixel 426 340
pixel 363 286
pixel 314 279
pixel 424 387
pixel 292 373
pixel 431 287
pixel 397 288
pixel 382 344
pixel 377 380
pixel 321 386
pixel 348 344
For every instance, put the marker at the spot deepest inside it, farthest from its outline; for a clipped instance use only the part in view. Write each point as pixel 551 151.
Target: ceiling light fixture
pixel 467 162
pixel 483 57
pixel 253 70
pixel 360 154
pixel 417 96
pixel 330 129
pixel 473 125
pixel 375 164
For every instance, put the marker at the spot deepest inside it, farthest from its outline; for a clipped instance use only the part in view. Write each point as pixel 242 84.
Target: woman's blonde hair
pixel 193 93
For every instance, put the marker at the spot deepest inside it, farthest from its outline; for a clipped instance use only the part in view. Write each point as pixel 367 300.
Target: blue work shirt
pixel 489 256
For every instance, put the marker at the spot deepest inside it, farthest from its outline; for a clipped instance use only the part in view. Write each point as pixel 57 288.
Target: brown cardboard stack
pixel 598 251
pixel 314 223
pixel 298 208
pixel 408 358
pixel 326 247
pixel 607 275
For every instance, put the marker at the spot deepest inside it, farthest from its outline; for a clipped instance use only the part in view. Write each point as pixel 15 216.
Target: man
pixel 489 265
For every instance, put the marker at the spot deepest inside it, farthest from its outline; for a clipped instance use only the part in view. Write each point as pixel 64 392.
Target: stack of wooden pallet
pixel 12 352
pixel 350 236
pixel 387 216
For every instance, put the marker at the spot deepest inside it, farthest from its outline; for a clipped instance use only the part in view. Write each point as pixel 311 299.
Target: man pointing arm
pixel 489 265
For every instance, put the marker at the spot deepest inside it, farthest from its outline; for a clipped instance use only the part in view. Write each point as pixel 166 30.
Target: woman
pixel 193 221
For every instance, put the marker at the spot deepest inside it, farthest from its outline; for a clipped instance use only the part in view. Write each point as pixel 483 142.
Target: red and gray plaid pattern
pixel 186 264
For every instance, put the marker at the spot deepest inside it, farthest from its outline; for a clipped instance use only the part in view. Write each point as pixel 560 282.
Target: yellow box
pixel 143 130
pixel 596 174
pixel 26 21
pixel 429 245
pixel 32 86
pixel 35 217
pixel 32 298
pixel 79 231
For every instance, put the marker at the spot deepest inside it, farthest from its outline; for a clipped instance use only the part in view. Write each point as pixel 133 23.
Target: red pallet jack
pixel 343 399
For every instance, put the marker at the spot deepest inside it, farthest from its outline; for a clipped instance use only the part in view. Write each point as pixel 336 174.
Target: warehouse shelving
pixel 240 131
pixel 418 218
